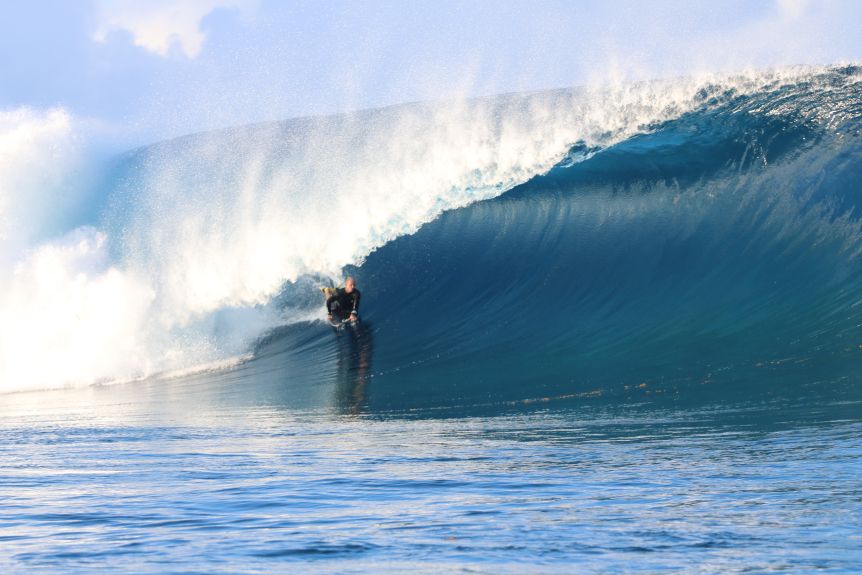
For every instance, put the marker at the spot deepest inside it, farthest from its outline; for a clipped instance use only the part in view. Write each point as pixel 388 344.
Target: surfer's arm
pixel 355 310
pixel 329 301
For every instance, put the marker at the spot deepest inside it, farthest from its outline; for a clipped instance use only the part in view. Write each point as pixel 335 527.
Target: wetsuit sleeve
pixel 329 301
pixel 356 296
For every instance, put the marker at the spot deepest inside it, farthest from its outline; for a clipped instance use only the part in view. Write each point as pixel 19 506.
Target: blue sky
pixel 159 68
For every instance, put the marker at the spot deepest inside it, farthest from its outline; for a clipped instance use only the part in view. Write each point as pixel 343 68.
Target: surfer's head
pixel 349 284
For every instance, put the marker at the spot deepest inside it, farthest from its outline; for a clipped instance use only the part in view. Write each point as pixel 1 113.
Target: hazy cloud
pixel 159 25
pixel 792 9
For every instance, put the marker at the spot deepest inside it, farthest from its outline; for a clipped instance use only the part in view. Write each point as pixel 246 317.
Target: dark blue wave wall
pixel 718 255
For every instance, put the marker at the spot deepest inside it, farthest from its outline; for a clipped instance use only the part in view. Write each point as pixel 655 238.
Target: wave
pixel 551 243
pixel 716 255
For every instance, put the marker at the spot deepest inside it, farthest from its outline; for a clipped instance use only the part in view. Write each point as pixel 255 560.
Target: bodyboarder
pixel 343 303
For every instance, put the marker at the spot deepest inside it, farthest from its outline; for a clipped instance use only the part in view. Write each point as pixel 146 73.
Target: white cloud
pixel 157 25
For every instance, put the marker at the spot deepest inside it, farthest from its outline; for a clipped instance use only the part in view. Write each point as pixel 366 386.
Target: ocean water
pixel 194 479
pixel 603 330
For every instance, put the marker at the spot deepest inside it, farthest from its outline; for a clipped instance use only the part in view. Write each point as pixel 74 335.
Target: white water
pixel 209 227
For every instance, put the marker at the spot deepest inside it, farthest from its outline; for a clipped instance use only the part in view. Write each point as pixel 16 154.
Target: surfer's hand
pixel 353 317
pixel 329 317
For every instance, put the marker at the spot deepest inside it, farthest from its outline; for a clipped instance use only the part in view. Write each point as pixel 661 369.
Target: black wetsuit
pixel 341 304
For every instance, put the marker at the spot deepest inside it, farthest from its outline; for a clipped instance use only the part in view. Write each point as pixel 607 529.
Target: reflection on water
pixel 355 350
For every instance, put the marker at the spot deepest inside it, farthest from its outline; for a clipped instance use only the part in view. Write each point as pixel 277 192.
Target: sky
pixel 152 69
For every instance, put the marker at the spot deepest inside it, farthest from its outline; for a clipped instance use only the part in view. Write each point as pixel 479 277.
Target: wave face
pixel 716 255
pixel 663 239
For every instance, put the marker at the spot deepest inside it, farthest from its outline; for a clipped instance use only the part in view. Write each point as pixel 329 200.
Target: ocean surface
pixel 603 330
pixel 200 479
